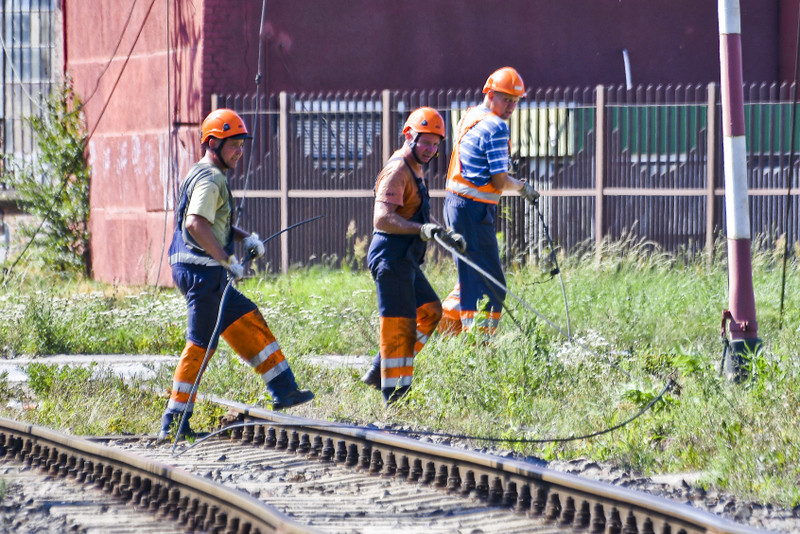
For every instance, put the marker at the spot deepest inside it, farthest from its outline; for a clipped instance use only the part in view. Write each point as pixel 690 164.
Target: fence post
pixel 711 166
pixel 284 178
pixel 386 125
pixel 599 166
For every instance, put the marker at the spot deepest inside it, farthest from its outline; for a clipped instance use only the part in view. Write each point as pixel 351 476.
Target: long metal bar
pixel 741 319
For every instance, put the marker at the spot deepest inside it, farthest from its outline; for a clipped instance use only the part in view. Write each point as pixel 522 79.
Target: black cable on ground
pixel 608 430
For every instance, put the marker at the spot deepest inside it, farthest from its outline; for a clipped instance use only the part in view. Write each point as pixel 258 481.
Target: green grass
pixel 644 316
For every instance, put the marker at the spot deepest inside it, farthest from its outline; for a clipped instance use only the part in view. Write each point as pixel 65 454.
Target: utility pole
pixel 741 340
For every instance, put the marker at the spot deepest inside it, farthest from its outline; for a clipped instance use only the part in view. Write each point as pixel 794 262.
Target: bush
pixel 54 187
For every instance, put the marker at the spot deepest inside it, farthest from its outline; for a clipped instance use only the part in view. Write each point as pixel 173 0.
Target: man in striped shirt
pixel 477 176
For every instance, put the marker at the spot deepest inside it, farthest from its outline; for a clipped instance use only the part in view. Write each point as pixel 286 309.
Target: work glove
pixel 429 230
pixel 253 245
pixel 453 240
pixel 234 267
pixel 529 193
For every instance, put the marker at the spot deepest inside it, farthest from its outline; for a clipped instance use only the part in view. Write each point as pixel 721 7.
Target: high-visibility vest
pixel 183 248
pixel 459 185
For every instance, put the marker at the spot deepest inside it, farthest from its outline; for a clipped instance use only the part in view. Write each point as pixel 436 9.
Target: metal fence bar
pixel 711 156
pixel 284 179
pixel 600 166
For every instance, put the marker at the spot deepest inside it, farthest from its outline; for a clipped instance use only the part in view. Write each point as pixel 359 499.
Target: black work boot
pixel 293 398
pixel 169 422
pixel 390 396
pixel 373 375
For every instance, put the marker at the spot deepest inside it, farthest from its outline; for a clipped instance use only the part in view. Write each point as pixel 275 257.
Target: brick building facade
pixel 148 73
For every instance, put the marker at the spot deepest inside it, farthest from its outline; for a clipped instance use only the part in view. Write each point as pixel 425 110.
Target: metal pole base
pixel 737 365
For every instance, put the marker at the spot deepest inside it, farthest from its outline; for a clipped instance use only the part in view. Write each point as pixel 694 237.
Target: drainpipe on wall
pixel 741 339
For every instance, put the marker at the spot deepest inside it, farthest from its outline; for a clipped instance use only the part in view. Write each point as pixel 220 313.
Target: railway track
pixel 269 472
pixel 142 489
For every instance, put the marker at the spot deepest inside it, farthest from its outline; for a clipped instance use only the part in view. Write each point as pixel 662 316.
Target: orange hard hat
pixel 223 124
pixel 506 80
pixel 425 120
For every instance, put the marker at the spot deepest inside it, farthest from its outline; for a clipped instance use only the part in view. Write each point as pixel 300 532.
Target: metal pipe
pixel 627 60
pixel 740 319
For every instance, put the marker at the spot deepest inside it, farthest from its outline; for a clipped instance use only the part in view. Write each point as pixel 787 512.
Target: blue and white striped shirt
pixel 484 149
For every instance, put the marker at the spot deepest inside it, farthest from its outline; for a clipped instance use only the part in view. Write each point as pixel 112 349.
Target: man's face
pixel 427 146
pixel 501 104
pixel 232 151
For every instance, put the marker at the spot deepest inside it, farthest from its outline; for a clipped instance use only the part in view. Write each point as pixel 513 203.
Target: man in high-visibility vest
pixel 202 259
pixel 477 176
pixel 408 305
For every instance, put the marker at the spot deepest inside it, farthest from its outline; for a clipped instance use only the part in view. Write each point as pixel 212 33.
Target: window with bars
pixel 28 66
pixel 337 134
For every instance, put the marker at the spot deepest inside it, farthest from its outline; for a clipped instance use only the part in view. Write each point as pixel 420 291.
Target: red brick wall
pixel 146 128
pixel 127 114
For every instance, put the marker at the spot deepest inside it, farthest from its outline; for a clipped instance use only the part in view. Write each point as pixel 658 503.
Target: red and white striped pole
pixel 740 318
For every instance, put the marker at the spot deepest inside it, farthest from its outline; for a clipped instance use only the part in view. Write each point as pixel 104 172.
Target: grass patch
pixel 646 316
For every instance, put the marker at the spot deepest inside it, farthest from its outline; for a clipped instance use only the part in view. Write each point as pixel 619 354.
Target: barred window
pixel 28 63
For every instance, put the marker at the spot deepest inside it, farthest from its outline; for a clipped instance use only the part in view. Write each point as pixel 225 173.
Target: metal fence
pixel 610 162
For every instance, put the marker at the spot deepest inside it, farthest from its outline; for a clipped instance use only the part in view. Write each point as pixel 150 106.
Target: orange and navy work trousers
pixel 242 327
pixel 409 307
pixel 476 222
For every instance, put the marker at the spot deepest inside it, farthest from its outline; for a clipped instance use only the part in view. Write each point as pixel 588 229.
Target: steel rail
pixel 568 500
pixel 200 504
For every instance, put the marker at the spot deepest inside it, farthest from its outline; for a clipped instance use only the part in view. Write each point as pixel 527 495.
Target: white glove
pixel 453 240
pixel 234 267
pixel 529 193
pixel 253 245
pixel 429 230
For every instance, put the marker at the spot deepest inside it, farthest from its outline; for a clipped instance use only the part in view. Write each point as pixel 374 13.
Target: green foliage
pixel 43 378
pixel 319 310
pixel 638 321
pixel 85 400
pixel 55 187
pixel 43 319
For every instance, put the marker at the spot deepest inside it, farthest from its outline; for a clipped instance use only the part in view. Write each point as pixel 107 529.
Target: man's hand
pixel 529 193
pixel 253 245
pixel 429 230
pixel 453 240
pixel 234 267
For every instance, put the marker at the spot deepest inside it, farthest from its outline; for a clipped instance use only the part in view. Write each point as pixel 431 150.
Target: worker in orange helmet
pixel 202 258
pixel 477 176
pixel 409 307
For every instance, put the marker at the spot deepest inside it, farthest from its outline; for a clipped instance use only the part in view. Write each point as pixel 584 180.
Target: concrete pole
pixel 740 318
